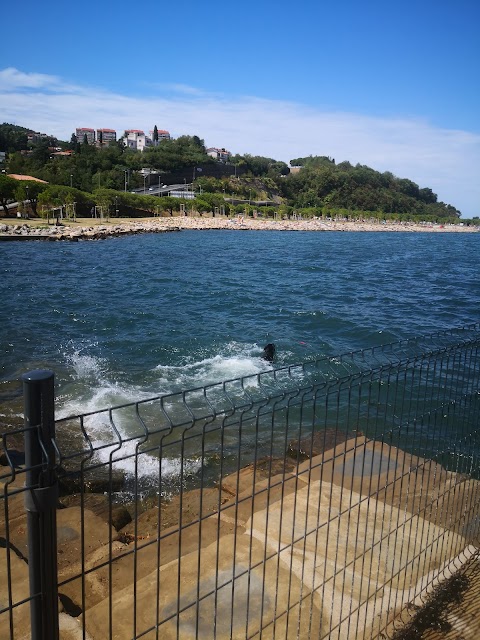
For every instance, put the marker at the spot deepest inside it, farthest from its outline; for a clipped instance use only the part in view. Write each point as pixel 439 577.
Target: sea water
pixel 125 319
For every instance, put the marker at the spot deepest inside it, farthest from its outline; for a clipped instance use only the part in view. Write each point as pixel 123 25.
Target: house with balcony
pixel 222 155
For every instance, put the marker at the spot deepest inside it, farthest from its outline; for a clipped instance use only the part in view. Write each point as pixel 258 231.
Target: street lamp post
pixel 125 171
pixel 71 180
pixel 28 199
pixel 144 183
pixel 116 206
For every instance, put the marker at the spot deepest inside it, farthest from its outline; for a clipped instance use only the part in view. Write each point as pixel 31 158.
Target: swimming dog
pixel 268 352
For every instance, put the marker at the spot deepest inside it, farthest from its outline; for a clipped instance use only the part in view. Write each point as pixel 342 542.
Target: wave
pixel 92 385
pixel 235 362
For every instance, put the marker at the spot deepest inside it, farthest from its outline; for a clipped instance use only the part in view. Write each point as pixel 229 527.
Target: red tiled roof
pixel 17 176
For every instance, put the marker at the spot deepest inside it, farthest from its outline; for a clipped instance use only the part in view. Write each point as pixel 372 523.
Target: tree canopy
pixel 322 183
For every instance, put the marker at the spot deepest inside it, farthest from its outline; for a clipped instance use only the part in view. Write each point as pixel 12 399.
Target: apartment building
pixel 162 134
pixel 81 132
pixel 34 136
pixel 106 136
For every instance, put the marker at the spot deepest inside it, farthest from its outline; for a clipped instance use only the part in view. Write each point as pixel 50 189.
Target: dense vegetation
pixel 322 183
pixel 98 176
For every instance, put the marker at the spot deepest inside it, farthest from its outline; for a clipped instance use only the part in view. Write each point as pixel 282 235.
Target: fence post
pixel 41 502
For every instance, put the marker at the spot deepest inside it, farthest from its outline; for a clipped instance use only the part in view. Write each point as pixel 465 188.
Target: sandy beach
pixel 87 229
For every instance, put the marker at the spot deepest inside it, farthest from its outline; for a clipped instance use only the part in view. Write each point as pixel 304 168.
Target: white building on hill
pixel 136 139
pixel 222 155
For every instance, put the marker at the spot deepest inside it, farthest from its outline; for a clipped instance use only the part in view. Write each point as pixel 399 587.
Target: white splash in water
pixel 95 388
pixel 237 361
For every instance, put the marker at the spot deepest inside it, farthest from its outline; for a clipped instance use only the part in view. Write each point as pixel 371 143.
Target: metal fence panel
pixel 322 500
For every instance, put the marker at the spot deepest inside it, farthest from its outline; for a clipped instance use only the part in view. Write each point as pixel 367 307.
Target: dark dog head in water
pixel 268 352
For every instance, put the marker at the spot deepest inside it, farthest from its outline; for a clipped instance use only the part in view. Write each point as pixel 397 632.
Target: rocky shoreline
pixel 75 231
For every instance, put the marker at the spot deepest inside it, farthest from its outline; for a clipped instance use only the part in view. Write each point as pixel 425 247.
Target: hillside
pixel 319 187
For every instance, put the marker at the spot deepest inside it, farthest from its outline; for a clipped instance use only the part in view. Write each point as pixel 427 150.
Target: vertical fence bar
pixel 41 502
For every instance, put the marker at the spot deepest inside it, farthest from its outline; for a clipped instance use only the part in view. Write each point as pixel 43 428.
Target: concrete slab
pixel 132 562
pixel 349 549
pixel 189 507
pixel 18 580
pixel 456 616
pixel 419 486
pixel 246 478
pixel 232 592
pixel 69 528
pixel 265 492
pixel 12 497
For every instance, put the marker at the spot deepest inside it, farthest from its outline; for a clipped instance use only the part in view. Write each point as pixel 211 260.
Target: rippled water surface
pixel 156 312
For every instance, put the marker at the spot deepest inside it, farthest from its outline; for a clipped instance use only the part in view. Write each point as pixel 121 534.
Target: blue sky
pixel 391 85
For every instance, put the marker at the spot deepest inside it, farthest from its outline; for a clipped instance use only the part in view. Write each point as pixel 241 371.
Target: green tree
pixel 58 195
pixel 13 138
pixel 28 191
pixel 7 191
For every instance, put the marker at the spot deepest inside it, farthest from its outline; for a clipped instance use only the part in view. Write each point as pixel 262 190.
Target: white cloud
pixel 11 78
pixel 445 160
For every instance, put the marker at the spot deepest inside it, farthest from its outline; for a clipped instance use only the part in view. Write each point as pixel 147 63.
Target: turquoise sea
pixel 124 319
